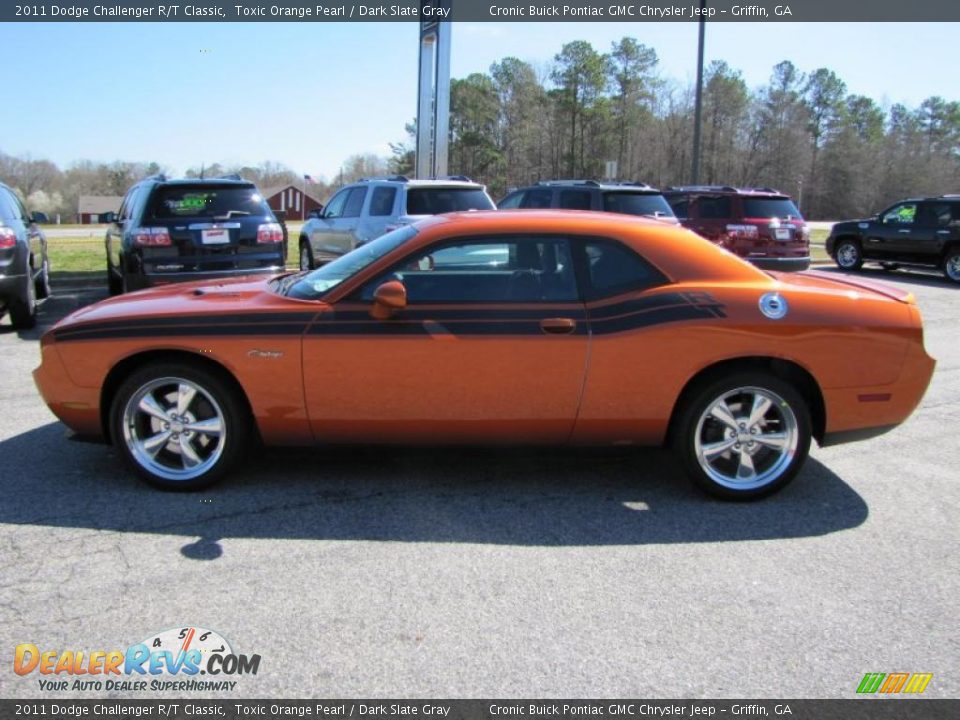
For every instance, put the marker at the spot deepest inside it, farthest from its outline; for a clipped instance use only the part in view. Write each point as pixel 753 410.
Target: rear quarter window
pixel 434 201
pixel 613 269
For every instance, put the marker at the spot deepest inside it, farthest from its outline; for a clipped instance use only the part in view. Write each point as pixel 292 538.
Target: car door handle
pixel 558 326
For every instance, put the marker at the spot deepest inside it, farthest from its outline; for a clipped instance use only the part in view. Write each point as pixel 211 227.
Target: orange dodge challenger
pixel 497 327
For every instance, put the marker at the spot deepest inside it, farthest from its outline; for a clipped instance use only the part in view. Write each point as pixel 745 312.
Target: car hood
pixel 247 295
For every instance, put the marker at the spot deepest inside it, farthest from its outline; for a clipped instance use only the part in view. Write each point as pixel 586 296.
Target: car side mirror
pixel 108 217
pixel 39 218
pixel 388 299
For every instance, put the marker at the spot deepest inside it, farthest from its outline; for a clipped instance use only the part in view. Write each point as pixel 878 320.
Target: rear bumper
pixel 787 264
pixel 145 280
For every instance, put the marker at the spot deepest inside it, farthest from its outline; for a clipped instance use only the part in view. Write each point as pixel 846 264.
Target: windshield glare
pixel 320 281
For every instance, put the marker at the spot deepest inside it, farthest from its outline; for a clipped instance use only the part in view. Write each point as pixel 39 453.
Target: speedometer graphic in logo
pixel 185 639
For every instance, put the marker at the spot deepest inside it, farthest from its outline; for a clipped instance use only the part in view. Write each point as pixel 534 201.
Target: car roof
pixel 679 252
pixel 458 181
pixel 622 185
pixel 728 189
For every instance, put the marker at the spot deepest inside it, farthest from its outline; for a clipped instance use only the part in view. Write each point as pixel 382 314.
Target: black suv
pixel 628 198
pixel 760 225
pixel 178 230
pixel 920 231
pixel 24 267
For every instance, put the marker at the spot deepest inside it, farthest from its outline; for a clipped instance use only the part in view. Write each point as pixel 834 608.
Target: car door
pixel 380 209
pixel 890 236
pixel 491 346
pixel 931 230
pixel 35 237
pixel 709 215
pixel 326 236
pixel 115 230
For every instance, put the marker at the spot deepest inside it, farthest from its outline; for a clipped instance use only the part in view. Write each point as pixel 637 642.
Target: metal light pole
pixel 698 110
pixel 433 94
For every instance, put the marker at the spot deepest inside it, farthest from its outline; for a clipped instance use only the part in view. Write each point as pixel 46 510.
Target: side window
pixel 902 214
pixel 511 201
pixel 500 270
pixel 126 206
pixel 537 198
pixel 335 206
pixel 934 215
pixel 575 199
pixel 8 209
pixel 680 205
pixel 614 269
pixel 354 202
pixel 714 208
pixel 381 202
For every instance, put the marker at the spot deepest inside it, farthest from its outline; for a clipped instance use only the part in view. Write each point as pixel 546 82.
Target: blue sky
pixel 311 94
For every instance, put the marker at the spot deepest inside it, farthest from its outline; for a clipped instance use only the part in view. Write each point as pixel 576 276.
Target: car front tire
pixel 43 281
pixel 179 426
pixel 306 256
pixel 114 281
pixel 847 255
pixel 744 436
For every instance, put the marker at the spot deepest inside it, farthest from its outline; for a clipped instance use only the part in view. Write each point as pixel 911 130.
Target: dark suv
pixel 628 198
pixel 920 231
pixel 760 225
pixel 24 268
pixel 177 230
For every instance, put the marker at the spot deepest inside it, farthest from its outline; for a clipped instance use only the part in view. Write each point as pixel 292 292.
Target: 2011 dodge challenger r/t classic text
pixel 533 327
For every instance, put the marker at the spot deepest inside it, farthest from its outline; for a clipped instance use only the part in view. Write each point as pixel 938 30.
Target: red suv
pixel 758 224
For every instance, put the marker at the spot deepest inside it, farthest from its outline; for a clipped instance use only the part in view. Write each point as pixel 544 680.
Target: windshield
pixel 206 201
pixel 320 281
pixel 637 204
pixel 434 201
pixel 770 208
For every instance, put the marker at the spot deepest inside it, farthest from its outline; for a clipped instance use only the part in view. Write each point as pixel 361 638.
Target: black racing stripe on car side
pixel 638 305
pixel 381 328
pixel 203 322
pixel 660 316
pixel 413 313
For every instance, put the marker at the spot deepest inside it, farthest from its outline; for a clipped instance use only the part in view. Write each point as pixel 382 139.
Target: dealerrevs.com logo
pixel 172 660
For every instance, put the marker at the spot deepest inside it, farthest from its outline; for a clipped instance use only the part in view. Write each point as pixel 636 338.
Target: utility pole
pixel 698 110
pixel 433 93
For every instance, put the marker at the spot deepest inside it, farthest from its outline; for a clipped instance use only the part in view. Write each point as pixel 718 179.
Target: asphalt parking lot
pixel 451 573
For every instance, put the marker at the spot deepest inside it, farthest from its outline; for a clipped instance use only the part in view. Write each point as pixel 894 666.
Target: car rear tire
pixel 889 266
pixel 179 426
pixel 23 310
pixel 306 256
pixel 744 436
pixel 847 255
pixel 43 281
pixel 114 282
pixel 951 265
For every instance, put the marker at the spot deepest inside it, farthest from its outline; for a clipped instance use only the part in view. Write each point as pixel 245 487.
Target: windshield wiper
pixel 230 214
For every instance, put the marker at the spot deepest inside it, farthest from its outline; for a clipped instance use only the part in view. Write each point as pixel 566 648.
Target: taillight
pixel 151 236
pixel 8 238
pixel 743 232
pixel 270 233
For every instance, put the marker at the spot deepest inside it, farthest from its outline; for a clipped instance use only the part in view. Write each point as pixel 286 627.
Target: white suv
pixel 365 210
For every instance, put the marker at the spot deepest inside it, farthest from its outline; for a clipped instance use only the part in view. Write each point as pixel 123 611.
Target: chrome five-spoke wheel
pixel 177 425
pixel 744 436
